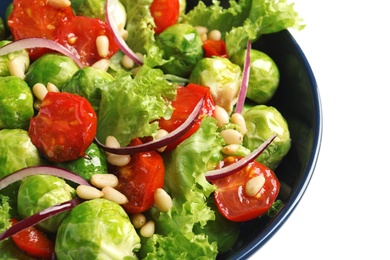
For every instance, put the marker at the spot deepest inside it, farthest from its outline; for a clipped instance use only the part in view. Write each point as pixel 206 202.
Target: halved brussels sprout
pixel 21 57
pixel 38 192
pixel 222 76
pixel 262 122
pixel 97 229
pixel 263 75
pixel 16 151
pixel 16 103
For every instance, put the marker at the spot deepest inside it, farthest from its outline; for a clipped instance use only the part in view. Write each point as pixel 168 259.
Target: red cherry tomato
pixel 186 100
pixel 165 13
pixel 34 242
pixel 232 199
pixel 214 48
pixel 64 127
pixel 139 179
pixel 36 18
pixel 79 35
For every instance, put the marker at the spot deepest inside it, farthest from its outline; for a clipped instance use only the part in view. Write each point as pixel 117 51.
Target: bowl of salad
pixel 134 129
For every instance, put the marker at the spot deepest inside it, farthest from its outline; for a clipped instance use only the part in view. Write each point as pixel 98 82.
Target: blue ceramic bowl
pixel 298 99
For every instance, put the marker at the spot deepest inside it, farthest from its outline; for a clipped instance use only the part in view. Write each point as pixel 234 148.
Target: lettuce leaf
pixel 130 105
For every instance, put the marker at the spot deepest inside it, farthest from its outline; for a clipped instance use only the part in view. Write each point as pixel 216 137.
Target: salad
pixel 137 129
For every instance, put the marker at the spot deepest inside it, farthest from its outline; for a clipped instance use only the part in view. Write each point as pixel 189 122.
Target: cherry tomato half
pixel 79 35
pixel 185 102
pixel 36 18
pixel 34 242
pixel 214 48
pixel 165 13
pixel 64 127
pixel 232 198
pixel 139 179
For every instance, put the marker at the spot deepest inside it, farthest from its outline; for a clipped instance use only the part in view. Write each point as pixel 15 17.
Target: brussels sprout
pixel 97 229
pixel 51 67
pixel 93 162
pixel 88 82
pixel 182 46
pixel 97 9
pixel 19 57
pixel 16 103
pixel 16 151
pixel 264 75
pixel 38 192
pixel 262 122
pixel 222 76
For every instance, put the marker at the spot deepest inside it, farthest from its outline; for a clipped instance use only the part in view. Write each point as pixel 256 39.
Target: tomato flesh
pixel 34 242
pixel 64 127
pixel 186 100
pixel 165 13
pixel 214 48
pixel 139 179
pixel 232 200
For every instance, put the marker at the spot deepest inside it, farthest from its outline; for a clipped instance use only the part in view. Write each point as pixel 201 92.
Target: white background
pixel 344 212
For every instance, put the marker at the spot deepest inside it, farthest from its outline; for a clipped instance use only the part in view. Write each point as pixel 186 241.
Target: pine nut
pixel 162 200
pixel 39 91
pixel 117 159
pixel 127 62
pixel 221 116
pixel 51 87
pixel 138 220
pixel 232 136
pixel 88 192
pixel 147 230
pixel 140 56
pixel 230 149
pixel 102 64
pixel 102 45
pixel 114 195
pixel 203 37
pixel 254 185
pixel 16 69
pixel 160 134
pixel 201 29
pixel 112 142
pixel 59 3
pixel 239 120
pixel 215 35
pixel 101 180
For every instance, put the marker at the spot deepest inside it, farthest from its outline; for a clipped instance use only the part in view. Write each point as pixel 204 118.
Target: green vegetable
pixel 16 103
pixel 19 57
pixel 97 229
pixel 129 106
pixel 38 192
pixel 88 82
pixel 182 47
pixel 53 68
pixel 93 162
pixel 262 122
pixel 16 151
pixel 222 76
pixel 264 75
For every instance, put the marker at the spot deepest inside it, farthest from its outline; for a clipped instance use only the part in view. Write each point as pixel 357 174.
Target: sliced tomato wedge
pixel 140 178
pixel 214 48
pixel 233 199
pixel 36 18
pixel 64 127
pixel 79 35
pixel 34 242
pixel 165 13
pixel 186 100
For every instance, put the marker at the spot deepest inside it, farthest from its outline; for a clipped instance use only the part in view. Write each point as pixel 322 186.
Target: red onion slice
pixel 31 43
pixel 118 38
pixel 48 170
pixel 235 167
pixel 153 145
pixel 40 216
pixel 245 79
